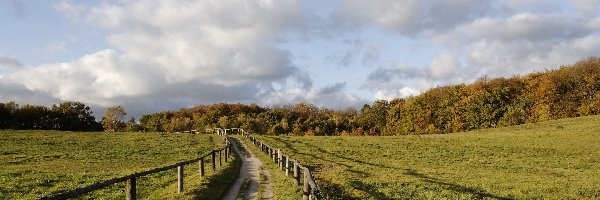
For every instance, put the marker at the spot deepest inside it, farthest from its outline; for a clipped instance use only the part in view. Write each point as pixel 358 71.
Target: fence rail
pixel 291 167
pixel 130 191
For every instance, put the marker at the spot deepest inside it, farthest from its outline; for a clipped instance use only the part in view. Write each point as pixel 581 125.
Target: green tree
pixel 394 118
pixel 6 114
pixel 373 118
pixel 74 116
pixel 156 122
pixel 33 117
pixel 132 125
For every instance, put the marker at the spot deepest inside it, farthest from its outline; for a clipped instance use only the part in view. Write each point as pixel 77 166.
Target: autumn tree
pixel 569 91
pixel 112 121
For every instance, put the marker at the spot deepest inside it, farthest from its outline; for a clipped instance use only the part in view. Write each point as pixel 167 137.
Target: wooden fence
pixel 130 191
pixel 292 168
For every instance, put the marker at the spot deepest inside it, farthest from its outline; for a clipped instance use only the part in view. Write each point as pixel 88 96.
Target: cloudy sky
pixel 153 55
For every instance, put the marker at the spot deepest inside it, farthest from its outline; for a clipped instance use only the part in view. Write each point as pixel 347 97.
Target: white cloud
pixel 519 37
pixel 398 93
pixel 410 17
pixel 93 78
pixel 525 42
pixel 169 54
pixel 528 27
pixel 443 69
pixel 9 64
pixel 587 7
pixel 332 96
pixel 445 66
pixel 202 39
pixel 73 12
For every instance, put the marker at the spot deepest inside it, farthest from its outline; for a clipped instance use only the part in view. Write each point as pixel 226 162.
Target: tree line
pixel 67 116
pixel 570 91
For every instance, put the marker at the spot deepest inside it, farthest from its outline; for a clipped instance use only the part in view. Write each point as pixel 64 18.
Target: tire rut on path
pixel 252 171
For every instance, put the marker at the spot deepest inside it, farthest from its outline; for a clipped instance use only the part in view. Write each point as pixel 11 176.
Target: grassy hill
pixel 39 163
pixel 550 160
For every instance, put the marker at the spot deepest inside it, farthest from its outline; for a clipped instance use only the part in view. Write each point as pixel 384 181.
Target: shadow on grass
pixel 335 155
pixel 404 190
pixel 336 191
pixel 217 185
pixel 477 193
pixel 369 189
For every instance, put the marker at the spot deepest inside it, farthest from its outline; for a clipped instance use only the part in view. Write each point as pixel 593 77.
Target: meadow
pixel 551 160
pixel 40 163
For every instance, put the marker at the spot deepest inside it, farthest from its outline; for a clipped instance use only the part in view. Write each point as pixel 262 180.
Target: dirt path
pixel 250 173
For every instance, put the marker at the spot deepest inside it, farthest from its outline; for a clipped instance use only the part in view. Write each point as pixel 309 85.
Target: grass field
pixel 551 160
pixel 39 163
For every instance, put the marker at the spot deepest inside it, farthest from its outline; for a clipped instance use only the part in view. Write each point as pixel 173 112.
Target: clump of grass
pixel 262 181
pixel 243 189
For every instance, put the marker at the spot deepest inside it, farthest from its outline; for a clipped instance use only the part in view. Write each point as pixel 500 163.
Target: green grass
pixel 551 160
pixel 211 187
pixel 40 163
pixel 282 186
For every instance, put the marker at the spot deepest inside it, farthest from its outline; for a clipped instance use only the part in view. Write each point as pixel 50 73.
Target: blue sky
pixel 152 55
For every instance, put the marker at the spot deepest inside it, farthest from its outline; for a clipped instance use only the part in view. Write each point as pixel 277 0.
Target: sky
pixel 157 55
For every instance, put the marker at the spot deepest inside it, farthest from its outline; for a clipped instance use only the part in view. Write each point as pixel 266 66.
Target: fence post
pixel 230 150
pixel 280 159
pixel 226 153
pixel 130 190
pixel 202 166
pixel 296 174
pixel 287 166
pixel 214 163
pixel 306 188
pixel 270 153
pixel 220 158
pixel 180 179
